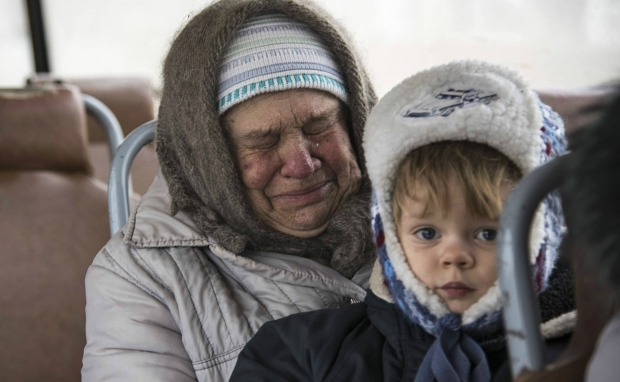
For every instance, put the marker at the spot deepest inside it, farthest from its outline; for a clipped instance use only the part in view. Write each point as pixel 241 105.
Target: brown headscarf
pixel 195 153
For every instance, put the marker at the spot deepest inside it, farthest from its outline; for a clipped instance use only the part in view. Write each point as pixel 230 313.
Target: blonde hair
pixel 480 170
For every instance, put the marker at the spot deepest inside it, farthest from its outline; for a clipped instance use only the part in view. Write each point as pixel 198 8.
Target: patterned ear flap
pixel 402 296
pixel 554 144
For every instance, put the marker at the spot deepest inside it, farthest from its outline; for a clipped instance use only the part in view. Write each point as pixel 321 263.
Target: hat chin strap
pixel 377 283
pixel 454 356
pixel 488 303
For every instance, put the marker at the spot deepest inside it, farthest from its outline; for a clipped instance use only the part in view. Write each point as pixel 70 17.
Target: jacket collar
pixel 152 226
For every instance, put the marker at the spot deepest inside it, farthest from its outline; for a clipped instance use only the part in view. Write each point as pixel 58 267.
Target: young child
pixel 444 149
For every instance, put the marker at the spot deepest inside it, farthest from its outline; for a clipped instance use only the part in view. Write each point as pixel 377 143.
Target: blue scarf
pixel 454 357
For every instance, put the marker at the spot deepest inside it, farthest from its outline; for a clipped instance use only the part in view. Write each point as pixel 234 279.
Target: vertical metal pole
pixel 118 186
pixel 521 313
pixel 37 35
pixel 107 120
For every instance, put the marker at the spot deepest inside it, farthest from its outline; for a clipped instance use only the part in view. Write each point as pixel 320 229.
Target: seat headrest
pixel 131 99
pixel 43 128
pixel 578 107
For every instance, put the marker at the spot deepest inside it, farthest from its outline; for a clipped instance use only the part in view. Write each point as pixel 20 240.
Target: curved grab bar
pixel 107 119
pixel 118 186
pixel 521 311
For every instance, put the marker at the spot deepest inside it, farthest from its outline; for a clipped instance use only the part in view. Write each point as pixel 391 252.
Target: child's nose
pixel 457 254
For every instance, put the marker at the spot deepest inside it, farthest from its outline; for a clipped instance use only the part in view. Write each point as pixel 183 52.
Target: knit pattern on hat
pixel 481 103
pixel 274 52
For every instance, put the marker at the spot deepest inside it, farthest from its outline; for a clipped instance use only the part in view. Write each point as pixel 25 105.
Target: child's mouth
pixel 456 289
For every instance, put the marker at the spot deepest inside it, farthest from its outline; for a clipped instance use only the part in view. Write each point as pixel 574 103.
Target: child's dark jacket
pixel 373 341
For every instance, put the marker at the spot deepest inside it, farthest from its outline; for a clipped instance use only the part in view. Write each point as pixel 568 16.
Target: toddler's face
pixel 454 254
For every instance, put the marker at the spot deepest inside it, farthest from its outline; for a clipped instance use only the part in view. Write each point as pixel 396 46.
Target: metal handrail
pixel 118 186
pixel 107 120
pixel 521 310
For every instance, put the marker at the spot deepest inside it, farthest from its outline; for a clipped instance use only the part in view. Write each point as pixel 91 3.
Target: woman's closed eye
pixel 322 123
pixel 317 128
pixel 426 233
pixel 262 143
pixel 487 234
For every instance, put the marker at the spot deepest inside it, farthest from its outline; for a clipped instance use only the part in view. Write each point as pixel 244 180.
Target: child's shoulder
pixel 315 345
pixel 316 323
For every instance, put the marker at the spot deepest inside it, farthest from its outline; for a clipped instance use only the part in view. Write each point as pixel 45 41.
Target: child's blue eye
pixel 426 233
pixel 487 234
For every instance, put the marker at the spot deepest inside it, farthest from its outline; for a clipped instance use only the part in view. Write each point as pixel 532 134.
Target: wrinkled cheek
pixel 256 171
pixel 338 153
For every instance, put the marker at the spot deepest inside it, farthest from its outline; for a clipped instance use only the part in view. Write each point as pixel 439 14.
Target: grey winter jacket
pixel 165 303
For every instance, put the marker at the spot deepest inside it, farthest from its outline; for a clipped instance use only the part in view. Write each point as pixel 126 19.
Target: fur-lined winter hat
pixel 473 101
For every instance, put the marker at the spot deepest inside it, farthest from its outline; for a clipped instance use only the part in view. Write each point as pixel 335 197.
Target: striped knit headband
pixel 273 53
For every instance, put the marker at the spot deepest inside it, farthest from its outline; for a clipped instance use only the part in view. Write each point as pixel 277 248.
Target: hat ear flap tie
pixel 454 356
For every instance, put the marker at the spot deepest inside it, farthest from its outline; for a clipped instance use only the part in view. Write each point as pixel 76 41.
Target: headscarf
pixel 195 153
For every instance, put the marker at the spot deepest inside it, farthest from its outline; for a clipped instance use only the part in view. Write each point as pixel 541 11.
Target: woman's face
pixel 294 157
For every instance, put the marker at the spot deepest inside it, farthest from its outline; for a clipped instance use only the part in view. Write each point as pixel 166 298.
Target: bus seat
pixel 574 104
pixel 131 99
pixel 54 221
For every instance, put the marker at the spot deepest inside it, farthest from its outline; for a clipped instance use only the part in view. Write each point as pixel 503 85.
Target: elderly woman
pixel 261 207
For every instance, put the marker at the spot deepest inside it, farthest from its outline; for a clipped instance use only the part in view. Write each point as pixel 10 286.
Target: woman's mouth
pixel 303 191
pixel 456 289
pixel 306 195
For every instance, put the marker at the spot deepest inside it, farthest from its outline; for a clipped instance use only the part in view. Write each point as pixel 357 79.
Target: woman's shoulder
pixel 168 295
pixel 140 264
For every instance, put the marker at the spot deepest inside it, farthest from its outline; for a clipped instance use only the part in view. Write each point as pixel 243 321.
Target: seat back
pixel 54 221
pixel 576 106
pixel 131 99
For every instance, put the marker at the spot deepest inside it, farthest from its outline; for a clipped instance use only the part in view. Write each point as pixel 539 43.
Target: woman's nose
pixel 297 159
